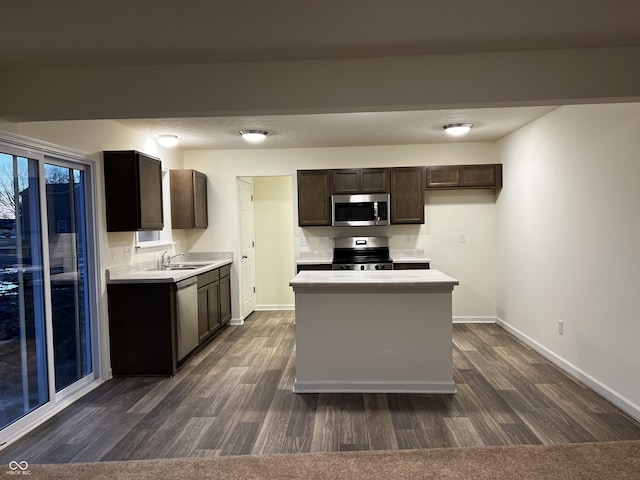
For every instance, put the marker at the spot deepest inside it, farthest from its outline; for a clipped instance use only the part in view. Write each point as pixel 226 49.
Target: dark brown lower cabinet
pixel 214 301
pixel 142 329
pixel 225 296
pixel 208 309
pixel 143 322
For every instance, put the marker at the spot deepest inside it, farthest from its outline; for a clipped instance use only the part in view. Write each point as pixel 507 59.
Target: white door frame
pixel 247 273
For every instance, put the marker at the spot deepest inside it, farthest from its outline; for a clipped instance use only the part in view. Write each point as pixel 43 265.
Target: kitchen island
pixel 373 331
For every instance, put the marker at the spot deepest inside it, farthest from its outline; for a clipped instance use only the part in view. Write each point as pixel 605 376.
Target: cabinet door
pixel 479 176
pixel 200 212
pixel 150 180
pixel 443 177
pixel 203 313
pixel 407 195
pixel 225 300
pixel 213 298
pixel 360 180
pixel 314 198
pixel 188 199
pixel 345 180
pixel 133 191
pixel 374 180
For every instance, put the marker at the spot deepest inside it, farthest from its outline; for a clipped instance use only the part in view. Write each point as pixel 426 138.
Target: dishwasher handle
pixel 186 282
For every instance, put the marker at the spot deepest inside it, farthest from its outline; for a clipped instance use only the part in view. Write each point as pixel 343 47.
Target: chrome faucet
pixel 165 261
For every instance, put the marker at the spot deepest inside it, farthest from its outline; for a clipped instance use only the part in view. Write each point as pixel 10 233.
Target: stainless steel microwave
pixel 360 210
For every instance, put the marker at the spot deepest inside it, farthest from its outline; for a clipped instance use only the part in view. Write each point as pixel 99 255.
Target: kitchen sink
pixel 180 266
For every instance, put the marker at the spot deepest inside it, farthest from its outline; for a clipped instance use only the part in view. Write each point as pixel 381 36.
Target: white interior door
pixel 247 248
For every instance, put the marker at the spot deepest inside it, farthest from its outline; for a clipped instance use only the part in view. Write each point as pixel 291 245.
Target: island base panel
pixel 374 342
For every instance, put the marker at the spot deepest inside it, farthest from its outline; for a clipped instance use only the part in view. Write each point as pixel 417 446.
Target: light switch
pixel 114 253
pixel 462 238
pixel 127 251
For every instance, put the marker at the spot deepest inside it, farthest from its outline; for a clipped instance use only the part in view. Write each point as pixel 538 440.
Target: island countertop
pixel 378 281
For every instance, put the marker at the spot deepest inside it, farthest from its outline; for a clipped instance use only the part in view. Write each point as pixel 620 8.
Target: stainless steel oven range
pixel 361 253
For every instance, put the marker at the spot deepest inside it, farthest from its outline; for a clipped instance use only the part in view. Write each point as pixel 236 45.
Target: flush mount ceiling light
pixel 167 140
pixel 457 129
pixel 253 135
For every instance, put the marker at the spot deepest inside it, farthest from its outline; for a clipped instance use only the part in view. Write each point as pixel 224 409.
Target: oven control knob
pixel 361 267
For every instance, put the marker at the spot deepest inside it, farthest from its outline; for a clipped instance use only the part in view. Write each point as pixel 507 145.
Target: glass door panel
pixel 23 356
pixel 65 199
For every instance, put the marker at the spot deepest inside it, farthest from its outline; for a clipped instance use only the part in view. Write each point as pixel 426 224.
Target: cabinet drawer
pixel 208 277
pixel 225 271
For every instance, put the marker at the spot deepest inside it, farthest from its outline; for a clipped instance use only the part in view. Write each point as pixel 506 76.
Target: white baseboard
pixel 594 384
pixel 237 321
pixel 374 387
pixel 467 319
pixel 264 308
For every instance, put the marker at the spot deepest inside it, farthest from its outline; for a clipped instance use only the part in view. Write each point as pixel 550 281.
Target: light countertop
pixel 147 272
pixel 378 281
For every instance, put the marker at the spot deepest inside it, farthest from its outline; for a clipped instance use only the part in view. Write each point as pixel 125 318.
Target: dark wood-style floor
pixel 235 397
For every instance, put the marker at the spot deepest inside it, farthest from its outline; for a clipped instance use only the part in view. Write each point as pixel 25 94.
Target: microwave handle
pixel 375 212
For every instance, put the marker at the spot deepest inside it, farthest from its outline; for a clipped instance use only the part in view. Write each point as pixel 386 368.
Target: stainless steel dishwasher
pixel 187 307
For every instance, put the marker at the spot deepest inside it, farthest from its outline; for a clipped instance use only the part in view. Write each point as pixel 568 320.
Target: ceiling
pixel 341 129
pixel 81 34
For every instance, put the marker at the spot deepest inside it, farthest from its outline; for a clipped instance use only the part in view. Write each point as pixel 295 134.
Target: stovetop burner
pixel 361 253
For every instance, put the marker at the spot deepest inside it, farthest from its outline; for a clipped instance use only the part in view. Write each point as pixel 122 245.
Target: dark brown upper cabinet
pixel 188 199
pixel 133 191
pixel 407 195
pixel 464 176
pixel 314 198
pixel 360 180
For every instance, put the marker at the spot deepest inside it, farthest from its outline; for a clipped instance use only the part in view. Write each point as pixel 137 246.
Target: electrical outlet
pixel 560 327
pixel 322 241
pixel 304 242
pixel 462 238
pixel 114 253
pixel 127 251
pixel 407 239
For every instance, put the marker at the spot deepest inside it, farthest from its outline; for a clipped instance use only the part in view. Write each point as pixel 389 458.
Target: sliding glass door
pixel 23 352
pixel 46 299
pixel 67 252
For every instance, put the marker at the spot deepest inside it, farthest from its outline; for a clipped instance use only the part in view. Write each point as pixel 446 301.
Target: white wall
pixel 273 230
pixel 92 137
pixel 568 242
pixel 446 214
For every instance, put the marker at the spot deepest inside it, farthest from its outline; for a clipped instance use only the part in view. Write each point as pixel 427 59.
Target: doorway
pixel 274 236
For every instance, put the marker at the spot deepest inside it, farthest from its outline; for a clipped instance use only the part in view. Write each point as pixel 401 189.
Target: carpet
pixel 585 461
